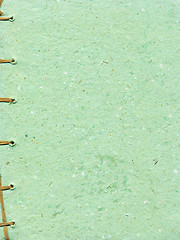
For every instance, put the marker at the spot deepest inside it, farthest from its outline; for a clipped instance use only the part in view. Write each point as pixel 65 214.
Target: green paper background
pixel 96 85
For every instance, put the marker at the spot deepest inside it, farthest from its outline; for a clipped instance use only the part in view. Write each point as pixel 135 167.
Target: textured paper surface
pixel 96 120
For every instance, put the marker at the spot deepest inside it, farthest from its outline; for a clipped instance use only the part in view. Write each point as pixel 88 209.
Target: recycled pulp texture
pixel 95 120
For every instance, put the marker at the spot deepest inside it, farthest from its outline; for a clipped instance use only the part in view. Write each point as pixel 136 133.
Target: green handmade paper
pixel 96 119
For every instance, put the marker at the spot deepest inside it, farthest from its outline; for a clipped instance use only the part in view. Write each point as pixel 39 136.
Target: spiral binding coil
pixel 5 224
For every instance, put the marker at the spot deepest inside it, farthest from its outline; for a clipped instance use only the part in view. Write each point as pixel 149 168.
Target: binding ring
pixel 4 224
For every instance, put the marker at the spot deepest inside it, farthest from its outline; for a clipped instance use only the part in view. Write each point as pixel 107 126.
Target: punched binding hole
pixel 11 143
pixel 13 61
pixel 12 186
pixel 11 19
pixel 13 224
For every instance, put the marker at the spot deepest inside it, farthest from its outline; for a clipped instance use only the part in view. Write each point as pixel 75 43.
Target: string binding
pixel 5 224
pixel 11 18
pixel 10 143
pixel 7 100
pixel 12 61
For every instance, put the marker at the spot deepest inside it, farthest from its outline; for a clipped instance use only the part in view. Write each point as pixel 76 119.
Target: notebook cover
pixel 95 123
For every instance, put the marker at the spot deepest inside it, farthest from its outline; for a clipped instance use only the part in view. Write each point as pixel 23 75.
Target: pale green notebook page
pixel 96 121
